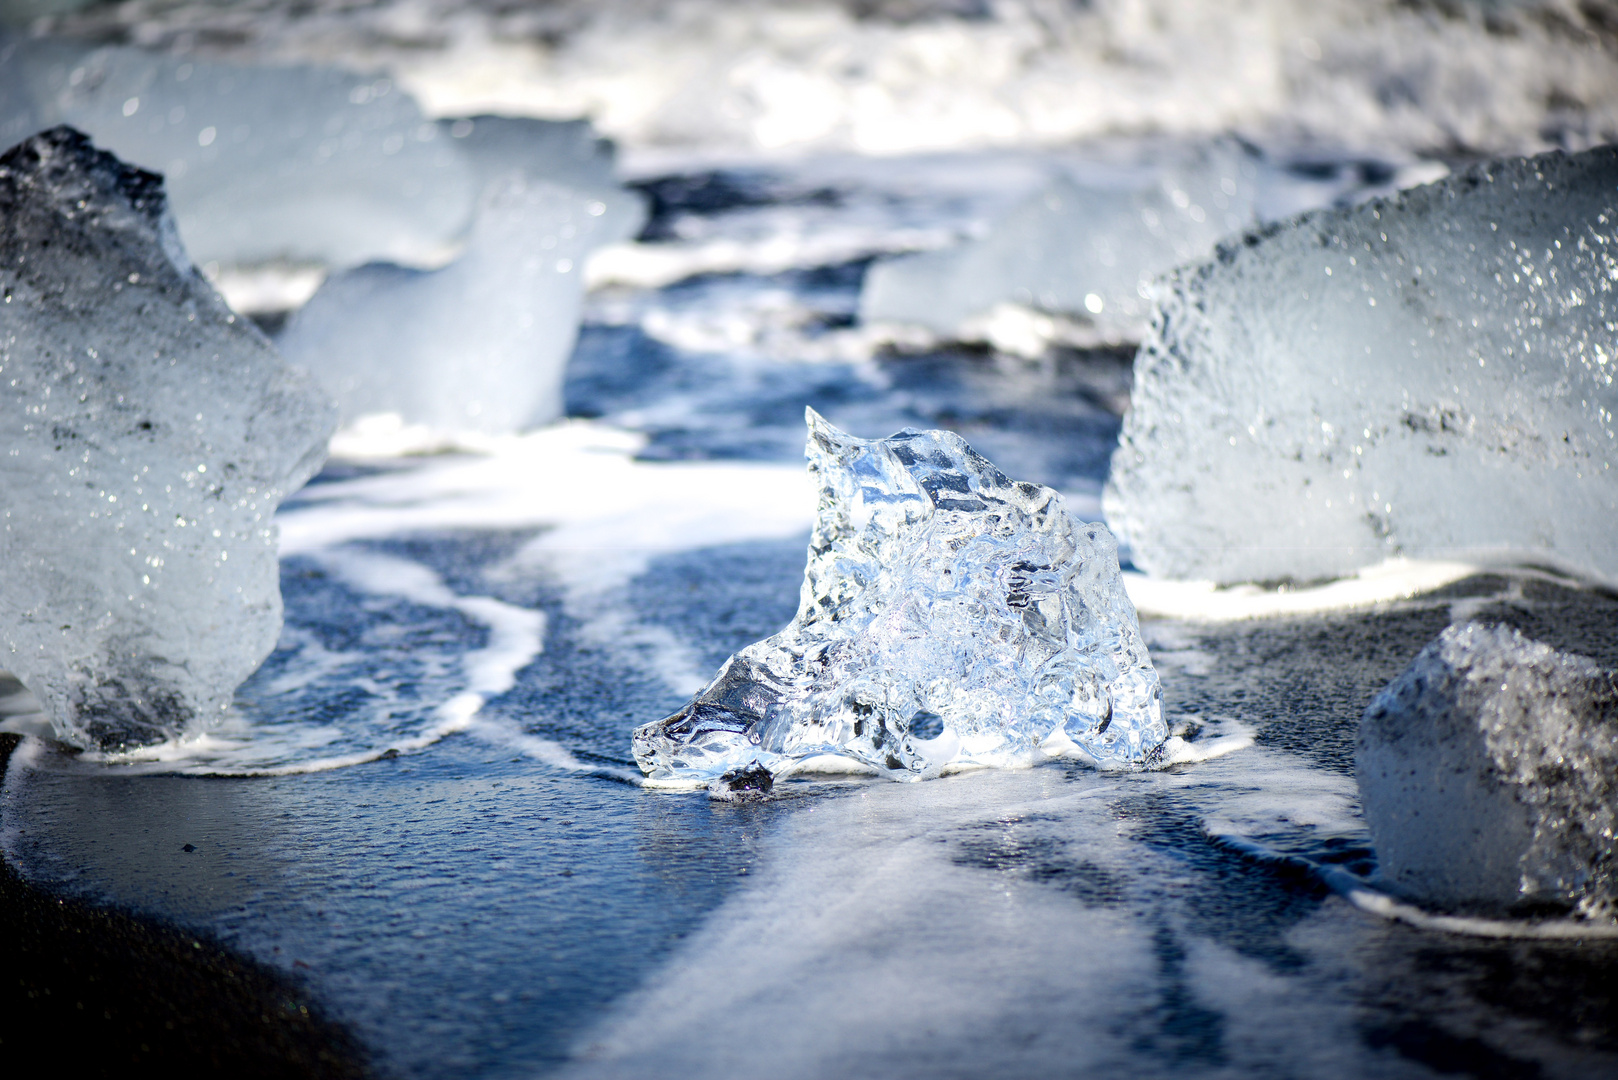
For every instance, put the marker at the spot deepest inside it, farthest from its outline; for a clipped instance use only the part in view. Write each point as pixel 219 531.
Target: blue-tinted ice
pixel 949 617
pixel 1429 375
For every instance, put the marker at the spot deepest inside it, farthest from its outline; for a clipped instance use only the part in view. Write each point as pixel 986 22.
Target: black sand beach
pixel 126 992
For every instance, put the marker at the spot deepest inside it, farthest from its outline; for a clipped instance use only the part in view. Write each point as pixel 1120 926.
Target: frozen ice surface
pixel 1072 250
pixel 1489 774
pixel 1429 375
pixel 262 164
pixel 149 436
pixel 480 344
pixel 949 616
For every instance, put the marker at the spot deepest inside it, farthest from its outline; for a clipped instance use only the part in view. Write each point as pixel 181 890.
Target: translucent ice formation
pixel 293 164
pixel 1489 774
pixel 948 617
pixel 480 344
pixel 1429 375
pixel 149 434
pixel 1071 250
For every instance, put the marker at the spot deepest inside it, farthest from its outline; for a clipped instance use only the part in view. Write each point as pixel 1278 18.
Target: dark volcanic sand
pixel 108 992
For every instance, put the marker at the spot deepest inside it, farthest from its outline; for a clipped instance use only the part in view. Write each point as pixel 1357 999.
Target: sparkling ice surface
pixel 949 616
pixel 1429 375
pixel 148 435
pixel 1489 773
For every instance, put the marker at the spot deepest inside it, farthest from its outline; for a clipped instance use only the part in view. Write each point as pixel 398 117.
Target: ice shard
pixel 948 617
pixel 1071 250
pixel 262 164
pixel 480 344
pixel 1489 775
pixel 1426 375
pixel 148 436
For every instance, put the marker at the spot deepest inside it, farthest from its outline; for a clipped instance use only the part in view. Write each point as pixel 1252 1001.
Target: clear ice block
pixel 948 617
pixel 147 435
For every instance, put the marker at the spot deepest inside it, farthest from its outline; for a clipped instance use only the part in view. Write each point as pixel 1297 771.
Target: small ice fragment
pixel 1489 775
pixel 1283 427
pixel 1071 250
pixel 147 436
pixel 948 617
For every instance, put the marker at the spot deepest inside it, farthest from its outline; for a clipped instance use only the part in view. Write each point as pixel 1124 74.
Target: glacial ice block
pixel 1071 250
pixel 948 617
pixel 261 164
pixel 148 436
pixel 481 344
pixel 1427 375
pixel 1489 775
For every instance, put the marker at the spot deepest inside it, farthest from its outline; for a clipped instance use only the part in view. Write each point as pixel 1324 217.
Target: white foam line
pixel 577 477
pixel 1363 895
pixel 516 637
pixel 1393 579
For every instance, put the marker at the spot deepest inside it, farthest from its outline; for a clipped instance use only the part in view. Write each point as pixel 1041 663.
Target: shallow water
pixel 441 843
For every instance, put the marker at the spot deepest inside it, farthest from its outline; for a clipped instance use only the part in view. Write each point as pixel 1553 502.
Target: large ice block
pixel 1426 375
pixel 262 164
pixel 480 344
pixel 1489 774
pixel 1073 250
pixel 949 616
pixel 148 436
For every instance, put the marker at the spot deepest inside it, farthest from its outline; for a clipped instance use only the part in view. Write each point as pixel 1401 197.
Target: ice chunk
pixel 262 164
pixel 1429 375
pixel 1489 774
pixel 480 344
pixel 948 617
pixel 561 151
pixel 1072 250
pixel 567 153
pixel 149 434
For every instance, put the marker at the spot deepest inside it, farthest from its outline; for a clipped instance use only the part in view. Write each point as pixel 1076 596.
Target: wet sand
pixel 113 992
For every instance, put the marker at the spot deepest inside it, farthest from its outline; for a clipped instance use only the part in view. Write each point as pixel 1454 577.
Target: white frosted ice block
pixel 146 436
pixel 949 616
pixel 481 344
pixel 262 164
pixel 1071 250
pixel 1429 375
pixel 1489 774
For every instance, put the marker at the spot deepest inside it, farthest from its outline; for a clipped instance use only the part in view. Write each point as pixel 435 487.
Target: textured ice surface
pixel 1073 250
pixel 948 616
pixel 1429 375
pixel 1489 774
pixel 297 164
pixel 149 434
pixel 480 344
